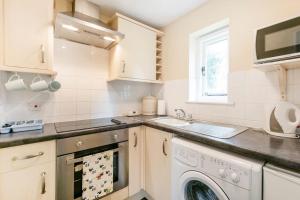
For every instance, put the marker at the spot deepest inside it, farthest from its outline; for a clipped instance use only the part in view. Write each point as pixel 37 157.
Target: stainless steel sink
pixel 222 131
pixel 171 121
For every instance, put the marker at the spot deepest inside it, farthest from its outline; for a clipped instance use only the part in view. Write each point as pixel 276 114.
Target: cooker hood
pixel 82 28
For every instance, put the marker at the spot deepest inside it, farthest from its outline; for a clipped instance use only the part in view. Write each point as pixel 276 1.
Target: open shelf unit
pixel 159 66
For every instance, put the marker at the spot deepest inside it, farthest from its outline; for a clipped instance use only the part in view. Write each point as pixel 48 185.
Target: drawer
pixel 20 157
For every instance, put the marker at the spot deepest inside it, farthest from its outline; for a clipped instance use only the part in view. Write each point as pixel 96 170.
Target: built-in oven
pixel 278 42
pixel 70 153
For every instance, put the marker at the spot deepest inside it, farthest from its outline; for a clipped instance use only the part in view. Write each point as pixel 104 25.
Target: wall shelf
pixel 281 67
pixel 28 70
pixel 135 80
pixel 272 66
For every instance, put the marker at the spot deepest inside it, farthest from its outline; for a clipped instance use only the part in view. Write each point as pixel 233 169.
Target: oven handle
pixel 70 161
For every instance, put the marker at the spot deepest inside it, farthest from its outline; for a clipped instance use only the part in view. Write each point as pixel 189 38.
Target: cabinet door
pixel 135 160
pixel 138 51
pixel 158 164
pixel 28 33
pixel 33 183
pixel 280 185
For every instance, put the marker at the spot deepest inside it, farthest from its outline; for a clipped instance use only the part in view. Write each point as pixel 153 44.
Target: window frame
pixel 196 80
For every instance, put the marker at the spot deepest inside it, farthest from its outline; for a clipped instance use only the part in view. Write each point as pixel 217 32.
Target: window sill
pixel 212 102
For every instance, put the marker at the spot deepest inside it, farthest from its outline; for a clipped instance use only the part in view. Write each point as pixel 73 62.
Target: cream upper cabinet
pixel 27 172
pixel 28 33
pixel 135 56
pixel 158 164
pixel 136 158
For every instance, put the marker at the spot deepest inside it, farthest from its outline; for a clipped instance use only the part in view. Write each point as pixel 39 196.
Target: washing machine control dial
pixel 222 173
pixel 235 177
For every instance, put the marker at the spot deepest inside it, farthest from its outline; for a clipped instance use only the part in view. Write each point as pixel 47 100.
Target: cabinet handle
pixel 135 140
pixel 124 65
pixel 28 156
pixel 42 53
pixel 164 147
pixel 43 175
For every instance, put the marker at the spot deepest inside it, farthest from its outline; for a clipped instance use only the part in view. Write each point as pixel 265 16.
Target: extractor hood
pixel 82 28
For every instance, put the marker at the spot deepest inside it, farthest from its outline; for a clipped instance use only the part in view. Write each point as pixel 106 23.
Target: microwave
pixel 278 42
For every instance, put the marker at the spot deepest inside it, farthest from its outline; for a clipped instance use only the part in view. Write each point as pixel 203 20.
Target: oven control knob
pixel 222 173
pixel 79 143
pixel 234 177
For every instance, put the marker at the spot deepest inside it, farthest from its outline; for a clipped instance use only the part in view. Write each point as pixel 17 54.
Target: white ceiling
pixel 157 13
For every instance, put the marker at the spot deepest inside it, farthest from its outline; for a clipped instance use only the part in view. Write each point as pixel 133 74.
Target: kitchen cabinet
pixel 280 184
pixel 28 36
pixel 134 58
pixel 136 158
pixel 158 164
pixel 27 172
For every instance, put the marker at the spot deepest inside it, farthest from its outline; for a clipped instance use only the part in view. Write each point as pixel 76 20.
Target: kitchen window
pixel 209 57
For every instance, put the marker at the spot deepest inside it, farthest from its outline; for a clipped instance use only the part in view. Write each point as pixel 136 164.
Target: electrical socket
pixel 35 106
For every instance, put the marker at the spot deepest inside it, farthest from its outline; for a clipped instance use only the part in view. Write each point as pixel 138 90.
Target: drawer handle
pixel 28 157
pixel 164 147
pixel 43 175
pixel 135 140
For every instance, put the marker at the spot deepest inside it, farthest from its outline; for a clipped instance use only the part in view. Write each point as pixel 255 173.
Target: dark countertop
pixel 252 143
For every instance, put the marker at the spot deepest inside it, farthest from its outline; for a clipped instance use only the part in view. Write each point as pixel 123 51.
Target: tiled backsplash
pixel 85 93
pixel 253 93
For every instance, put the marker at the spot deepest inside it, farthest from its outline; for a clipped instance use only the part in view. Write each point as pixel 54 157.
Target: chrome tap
pixel 180 113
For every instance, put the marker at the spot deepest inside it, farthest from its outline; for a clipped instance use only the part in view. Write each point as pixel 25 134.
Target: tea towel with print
pixel 97 179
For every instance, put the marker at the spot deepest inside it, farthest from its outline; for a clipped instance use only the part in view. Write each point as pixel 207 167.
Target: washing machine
pixel 201 172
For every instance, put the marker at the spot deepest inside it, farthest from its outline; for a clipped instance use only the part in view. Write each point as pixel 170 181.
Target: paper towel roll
pixel 161 107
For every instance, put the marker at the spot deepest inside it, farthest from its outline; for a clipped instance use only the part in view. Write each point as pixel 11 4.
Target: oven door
pixel 278 42
pixel 197 186
pixel 69 170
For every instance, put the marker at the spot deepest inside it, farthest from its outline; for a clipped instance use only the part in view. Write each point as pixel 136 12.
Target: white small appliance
pixel 269 49
pixel 161 107
pixel 201 172
pixel 283 120
pixel 280 183
pixel 149 105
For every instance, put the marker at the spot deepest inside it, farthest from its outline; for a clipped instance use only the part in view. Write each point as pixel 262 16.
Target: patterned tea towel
pixel 97 179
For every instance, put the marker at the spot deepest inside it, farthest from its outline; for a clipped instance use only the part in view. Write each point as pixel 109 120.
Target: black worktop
pixel 252 143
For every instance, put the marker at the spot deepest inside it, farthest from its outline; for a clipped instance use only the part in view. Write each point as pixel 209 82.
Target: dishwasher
pixel 70 153
pixel 280 184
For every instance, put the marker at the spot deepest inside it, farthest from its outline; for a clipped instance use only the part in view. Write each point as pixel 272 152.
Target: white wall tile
pixel 85 93
pixel 251 91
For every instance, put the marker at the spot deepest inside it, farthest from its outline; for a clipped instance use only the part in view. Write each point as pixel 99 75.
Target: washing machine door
pixel 197 186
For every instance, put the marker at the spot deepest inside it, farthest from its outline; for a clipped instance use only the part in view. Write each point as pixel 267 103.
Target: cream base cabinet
pixel 158 164
pixel 27 172
pixel 135 56
pixel 33 183
pixel 28 33
pixel 136 159
pixel 280 184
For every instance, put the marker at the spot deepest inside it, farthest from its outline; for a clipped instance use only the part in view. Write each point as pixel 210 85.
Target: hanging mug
pixel 38 84
pixel 15 83
pixel 53 86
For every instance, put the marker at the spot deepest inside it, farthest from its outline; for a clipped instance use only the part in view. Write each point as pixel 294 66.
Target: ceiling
pixel 157 13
